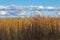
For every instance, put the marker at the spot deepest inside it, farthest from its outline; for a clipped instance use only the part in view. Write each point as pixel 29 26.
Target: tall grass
pixel 33 28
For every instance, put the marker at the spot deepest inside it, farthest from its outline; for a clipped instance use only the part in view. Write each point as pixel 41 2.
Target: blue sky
pixel 31 2
pixel 3 3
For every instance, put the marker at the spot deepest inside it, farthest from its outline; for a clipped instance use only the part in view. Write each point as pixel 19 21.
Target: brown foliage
pixel 34 28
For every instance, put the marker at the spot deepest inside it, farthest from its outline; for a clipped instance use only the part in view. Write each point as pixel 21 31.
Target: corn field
pixel 33 28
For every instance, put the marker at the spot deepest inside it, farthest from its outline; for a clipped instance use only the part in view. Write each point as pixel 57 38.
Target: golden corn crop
pixel 33 28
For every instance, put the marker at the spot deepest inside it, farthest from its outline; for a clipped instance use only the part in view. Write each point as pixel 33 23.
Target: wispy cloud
pixel 37 13
pixel 22 13
pixel 3 12
pixel 3 7
pixel 40 7
pixel 50 7
pixel 14 10
pixel 14 7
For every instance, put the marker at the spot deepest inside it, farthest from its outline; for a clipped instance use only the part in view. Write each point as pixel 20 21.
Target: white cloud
pixel 31 7
pixel 22 7
pixel 50 7
pixel 7 9
pixel 23 13
pixel 3 7
pixel 58 13
pixel 40 7
pixel 38 13
pixel 3 12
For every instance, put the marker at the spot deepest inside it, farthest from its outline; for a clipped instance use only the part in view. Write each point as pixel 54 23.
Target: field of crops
pixel 33 28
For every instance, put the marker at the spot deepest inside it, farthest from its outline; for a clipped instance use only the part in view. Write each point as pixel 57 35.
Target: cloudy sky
pixel 13 7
